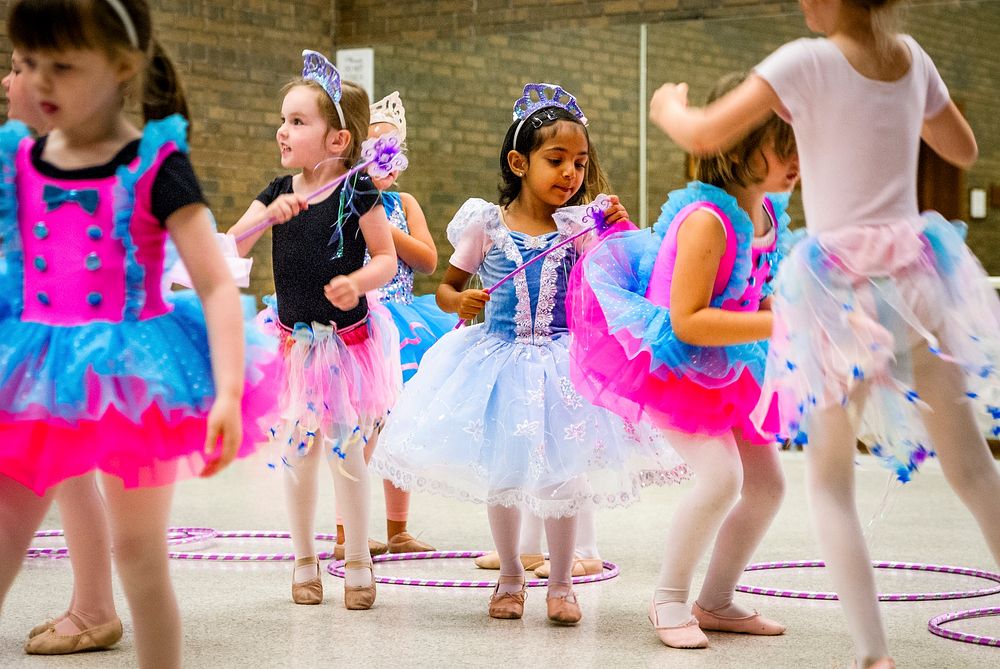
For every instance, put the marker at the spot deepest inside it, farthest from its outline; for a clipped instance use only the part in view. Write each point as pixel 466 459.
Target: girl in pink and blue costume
pixel 886 327
pixel 492 416
pixel 671 327
pixel 98 369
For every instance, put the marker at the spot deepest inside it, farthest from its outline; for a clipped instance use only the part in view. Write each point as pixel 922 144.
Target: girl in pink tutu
pixel 340 349
pixel 885 323
pixel 672 327
pixel 98 369
pixel 81 507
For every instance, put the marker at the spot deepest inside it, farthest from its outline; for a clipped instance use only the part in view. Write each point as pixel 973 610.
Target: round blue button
pixel 41 230
pixel 94 232
pixel 43 297
pixel 93 261
pixel 40 264
pixel 94 299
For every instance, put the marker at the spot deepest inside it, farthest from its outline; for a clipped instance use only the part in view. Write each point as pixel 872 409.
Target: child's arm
pixel 345 290
pixel 453 297
pixel 701 242
pixel 191 229
pixel 282 209
pixel 950 135
pixel 417 248
pixel 720 125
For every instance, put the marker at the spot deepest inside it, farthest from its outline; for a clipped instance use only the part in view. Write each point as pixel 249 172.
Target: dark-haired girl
pixel 492 415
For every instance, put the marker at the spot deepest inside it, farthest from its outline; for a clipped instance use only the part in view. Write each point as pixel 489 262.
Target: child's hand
pixel 615 212
pixel 666 99
pixel 225 431
pixel 286 206
pixel 342 292
pixel 471 302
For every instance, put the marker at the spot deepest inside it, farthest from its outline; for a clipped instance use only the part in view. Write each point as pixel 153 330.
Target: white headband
pixel 126 20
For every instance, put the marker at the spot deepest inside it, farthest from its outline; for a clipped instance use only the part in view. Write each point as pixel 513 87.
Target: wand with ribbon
pixel 596 217
pixel 381 156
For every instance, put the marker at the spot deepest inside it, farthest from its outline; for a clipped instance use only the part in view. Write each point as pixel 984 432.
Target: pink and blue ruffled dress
pixel 625 354
pixel 492 416
pixel 419 320
pixel 100 368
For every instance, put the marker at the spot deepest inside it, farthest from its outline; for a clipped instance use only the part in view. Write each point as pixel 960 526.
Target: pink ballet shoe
pixel 752 624
pixel 688 635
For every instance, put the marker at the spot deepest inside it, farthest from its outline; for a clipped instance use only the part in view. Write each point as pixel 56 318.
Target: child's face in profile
pixel 376 130
pixel 782 172
pixel 557 167
pixel 302 135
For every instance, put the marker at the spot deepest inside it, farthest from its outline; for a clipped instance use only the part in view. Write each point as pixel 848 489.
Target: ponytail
pixel 162 92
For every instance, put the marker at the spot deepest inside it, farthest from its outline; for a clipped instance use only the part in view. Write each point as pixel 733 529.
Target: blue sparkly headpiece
pixel 542 96
pixel 316 67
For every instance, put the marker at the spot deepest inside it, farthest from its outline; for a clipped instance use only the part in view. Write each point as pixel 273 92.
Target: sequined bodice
pixel 400 287
pixel 530 307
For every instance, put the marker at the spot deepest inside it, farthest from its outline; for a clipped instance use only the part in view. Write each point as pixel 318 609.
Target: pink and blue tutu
pixel 332 383
pixel 100 369
pixel 419 319
pixel 851 305
pixel 625 354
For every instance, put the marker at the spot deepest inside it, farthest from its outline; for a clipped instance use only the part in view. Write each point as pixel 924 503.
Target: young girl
pixel 882 317
pixel 81 506
pixel 491 415
pixel 97 369
pixel 419 320
pixel 670 326
pixel 341 353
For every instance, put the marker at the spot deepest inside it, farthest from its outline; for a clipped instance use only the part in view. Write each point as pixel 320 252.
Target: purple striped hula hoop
pixel 176 536
pixel 883 597
pixel 251 557
pixel 336 568
pixel 935 626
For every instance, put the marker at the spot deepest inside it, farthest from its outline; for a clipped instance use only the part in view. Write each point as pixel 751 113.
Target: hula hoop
pixel 176 536
pixel 336 568
pixel 251 557
pixel 935 626
pixel 883 597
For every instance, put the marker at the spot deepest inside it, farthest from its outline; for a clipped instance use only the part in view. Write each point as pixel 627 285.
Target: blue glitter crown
pixel 316 67
pixel 541 96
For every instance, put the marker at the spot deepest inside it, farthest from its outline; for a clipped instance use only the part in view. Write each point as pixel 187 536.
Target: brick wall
pixel 233 57
pixel 460 64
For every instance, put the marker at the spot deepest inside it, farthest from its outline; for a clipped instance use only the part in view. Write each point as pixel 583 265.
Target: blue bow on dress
pixel 55 197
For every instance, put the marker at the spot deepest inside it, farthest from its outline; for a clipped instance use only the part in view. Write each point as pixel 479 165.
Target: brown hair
pixel 94 24
pixel 354 104
pixel 735 166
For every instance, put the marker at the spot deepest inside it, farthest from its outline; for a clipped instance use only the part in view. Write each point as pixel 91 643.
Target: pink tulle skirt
pixel 332 382
pixel 629 389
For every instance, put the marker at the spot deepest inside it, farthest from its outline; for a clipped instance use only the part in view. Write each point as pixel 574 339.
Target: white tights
pixel 965 459
pixel 586 534
pixel 353 495
pixel 738 488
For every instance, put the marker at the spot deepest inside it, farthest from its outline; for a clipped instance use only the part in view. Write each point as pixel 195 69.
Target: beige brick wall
pixel 234 57
pixel 460 64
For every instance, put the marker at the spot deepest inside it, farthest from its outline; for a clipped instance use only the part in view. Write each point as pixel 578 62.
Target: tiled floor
pixel 241 615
